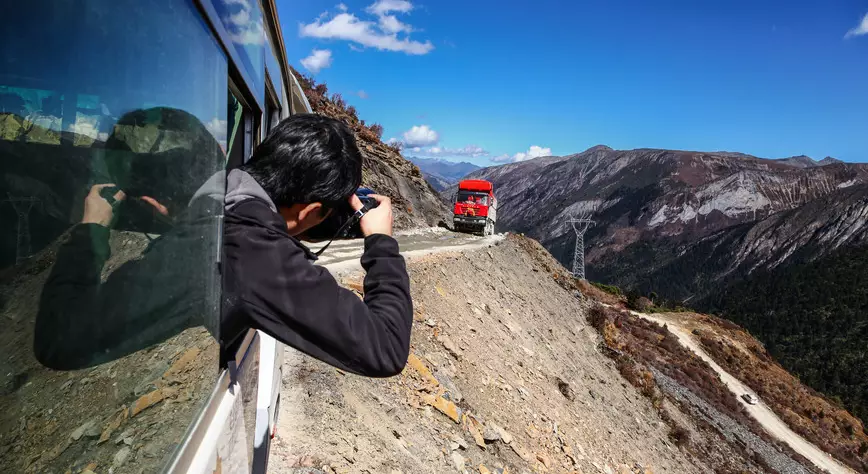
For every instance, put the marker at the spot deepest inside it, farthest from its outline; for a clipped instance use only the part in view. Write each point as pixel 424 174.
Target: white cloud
pixel 533 152
pixel 420 135
pixel 85 125
pixel 381 34
pixel 436 151
pixel 861 29
pixel 241 29
pixel 342 7
pixel 218 128
pixel 363 95
pixel 382 7
pixel 391 25
pixel 318 60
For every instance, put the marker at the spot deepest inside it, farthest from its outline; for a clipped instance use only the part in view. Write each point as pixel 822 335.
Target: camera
pixel 135 215
pixel 343 222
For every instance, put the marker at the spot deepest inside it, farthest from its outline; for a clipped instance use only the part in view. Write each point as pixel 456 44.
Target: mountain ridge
pixel 442 173
pixel 689 225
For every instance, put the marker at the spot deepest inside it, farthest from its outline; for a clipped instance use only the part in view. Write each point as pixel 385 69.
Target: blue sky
pixel 477 81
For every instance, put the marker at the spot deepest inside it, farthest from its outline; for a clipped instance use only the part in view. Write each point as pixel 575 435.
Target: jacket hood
pixel 240 187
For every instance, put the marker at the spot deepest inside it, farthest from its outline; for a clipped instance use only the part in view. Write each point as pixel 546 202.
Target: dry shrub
pixel 593 292
pixel 597 316
pixel 397 147
pixel 377 130
pixel 679 435
pixel 339 102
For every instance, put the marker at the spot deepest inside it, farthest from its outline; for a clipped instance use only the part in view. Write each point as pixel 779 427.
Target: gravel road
pixel 763 414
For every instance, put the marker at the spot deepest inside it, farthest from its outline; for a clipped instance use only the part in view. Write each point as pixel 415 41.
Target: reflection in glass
pixel 108 294
pixel 274 72
pixel 244 25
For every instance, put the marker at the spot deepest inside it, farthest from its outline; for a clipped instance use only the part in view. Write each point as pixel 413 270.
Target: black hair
pixel 308 158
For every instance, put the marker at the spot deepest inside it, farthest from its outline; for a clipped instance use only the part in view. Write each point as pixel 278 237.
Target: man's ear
pixel 313 210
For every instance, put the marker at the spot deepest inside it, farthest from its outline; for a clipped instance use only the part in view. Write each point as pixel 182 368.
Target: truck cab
pixel 474 207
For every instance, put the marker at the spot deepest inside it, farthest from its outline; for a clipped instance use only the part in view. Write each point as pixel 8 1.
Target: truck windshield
pixel 472 198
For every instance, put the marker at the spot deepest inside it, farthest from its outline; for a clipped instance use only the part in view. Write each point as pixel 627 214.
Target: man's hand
pixel 377 220
pixel 96 209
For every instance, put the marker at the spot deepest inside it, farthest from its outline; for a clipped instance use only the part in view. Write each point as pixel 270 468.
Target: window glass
pixel 272 113
pixel 239 120
pixel 243 22
pixel 274 71
pixel 108 297
pixel 473 198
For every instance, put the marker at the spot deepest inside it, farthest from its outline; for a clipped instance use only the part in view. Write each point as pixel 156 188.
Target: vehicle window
pixel 112 143
pixel 240 141
pixel 274 73
pixel 243 22
pixel 272 112
pixel 473 198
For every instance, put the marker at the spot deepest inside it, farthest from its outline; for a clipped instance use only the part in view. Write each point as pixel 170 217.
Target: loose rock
pixel 121 456
pixel 458 461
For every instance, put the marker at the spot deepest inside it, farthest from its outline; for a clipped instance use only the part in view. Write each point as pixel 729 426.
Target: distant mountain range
pixel 659 206
pixel 442 173
pixel 711 229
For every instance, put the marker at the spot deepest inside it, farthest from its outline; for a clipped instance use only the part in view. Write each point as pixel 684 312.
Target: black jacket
pixel 271 284
pixel 85 319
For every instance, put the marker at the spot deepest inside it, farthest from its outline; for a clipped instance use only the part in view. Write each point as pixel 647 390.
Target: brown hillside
pixel 415 202
pixel 811 414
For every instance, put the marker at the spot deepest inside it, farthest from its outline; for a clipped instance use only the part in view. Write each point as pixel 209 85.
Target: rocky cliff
pixel 416 203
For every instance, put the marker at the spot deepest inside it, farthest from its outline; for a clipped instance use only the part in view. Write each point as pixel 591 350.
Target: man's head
pixel 309 164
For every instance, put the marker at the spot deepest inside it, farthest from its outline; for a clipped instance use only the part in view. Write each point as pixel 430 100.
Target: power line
pixel 22 206
pixel 580 226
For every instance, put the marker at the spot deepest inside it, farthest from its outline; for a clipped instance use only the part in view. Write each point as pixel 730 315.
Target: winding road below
pixel 761 412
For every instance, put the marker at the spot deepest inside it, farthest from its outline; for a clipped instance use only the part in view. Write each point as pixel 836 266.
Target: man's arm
pixel 300 304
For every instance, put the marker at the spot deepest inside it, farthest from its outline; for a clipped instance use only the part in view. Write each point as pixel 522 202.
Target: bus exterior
pixel 111 339
pixel 475 207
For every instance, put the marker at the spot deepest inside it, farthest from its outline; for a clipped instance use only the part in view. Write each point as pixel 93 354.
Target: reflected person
pixel 157 159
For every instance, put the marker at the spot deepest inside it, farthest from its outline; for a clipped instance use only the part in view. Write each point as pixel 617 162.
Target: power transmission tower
pixel 580 226
pixel 22 206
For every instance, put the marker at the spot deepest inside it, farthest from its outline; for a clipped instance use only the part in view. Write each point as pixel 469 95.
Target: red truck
pixel 475 207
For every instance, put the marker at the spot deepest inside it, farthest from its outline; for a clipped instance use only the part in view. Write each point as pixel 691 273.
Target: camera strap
pixel 357 216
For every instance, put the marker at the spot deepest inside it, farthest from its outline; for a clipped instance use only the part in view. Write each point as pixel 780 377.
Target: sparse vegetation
pixel 377 130
pixel 812 318
pixel 610 289
pixel 679 436
pixel 818 419
pixel 636 344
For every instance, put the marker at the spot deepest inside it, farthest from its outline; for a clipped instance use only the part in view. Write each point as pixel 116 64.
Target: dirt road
pixel 343 256
pixel 763 414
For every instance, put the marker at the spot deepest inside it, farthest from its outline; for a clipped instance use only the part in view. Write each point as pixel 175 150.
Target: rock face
pixel 415 202
pixel 658 212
